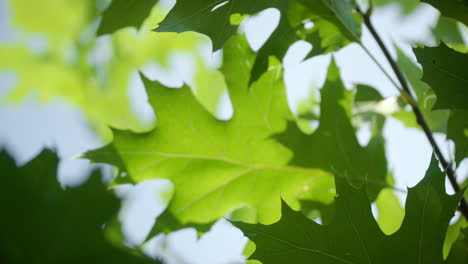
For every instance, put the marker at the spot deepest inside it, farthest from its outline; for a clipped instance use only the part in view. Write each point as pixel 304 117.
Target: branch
pixel 409 97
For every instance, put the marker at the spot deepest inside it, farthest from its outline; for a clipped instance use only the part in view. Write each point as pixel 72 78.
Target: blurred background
pixel 62 88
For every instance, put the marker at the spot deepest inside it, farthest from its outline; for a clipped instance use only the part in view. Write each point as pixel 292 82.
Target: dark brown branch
pixel 407 94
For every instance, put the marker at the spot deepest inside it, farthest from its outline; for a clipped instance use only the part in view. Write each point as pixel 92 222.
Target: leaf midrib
pixel 251 166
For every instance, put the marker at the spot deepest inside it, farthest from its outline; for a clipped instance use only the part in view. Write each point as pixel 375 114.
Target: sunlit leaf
pixel 217 166
pixel 459 251
pixel 450 32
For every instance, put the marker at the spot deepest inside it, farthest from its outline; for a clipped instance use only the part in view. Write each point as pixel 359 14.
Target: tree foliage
pixel 353 236
pixel 46 224
pixel 265 168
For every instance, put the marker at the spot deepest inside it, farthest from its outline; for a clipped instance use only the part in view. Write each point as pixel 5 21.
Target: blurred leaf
pixel 339 13
pixel 334 146
pixel 46 224
pixel 365 93
pixel 454 234
pixel 98 74
pixel 125 13
pixel 457 9
pixel 391 214
pixel 459 251
pixel 407 5
pixel 167 222
pixel 217 166
pixel 63 19
pixel 436 118
pixel 354 236
pixel 450 32
pixel 446 71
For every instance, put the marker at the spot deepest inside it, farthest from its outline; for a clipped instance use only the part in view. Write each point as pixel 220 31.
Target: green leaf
pixel 391 214
pixel 167 223
pixel 124 13
pixel 334 146
pixel 47 224
pixel 436 118
pixel 63 20
pixel 335 26
pixel 457 9
pixel 100 87
pixel 454 234
pixel 217 166
pixel 450 32
pixel 354 236
pixel 365 93
pixel 212 18
pixel 446 71
pixel 459 251
pixel 407 5
pixel 457 130
pixel 313 209
pixel 339 13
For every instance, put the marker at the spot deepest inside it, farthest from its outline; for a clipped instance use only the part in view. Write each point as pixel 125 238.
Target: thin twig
pixel 408 95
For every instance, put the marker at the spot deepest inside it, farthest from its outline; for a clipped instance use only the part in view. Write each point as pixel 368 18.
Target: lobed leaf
pixel 353 236
pixel 426 98
pixel 217 166
pixel 125 13
pixel 445 70
pixel 47 224
pixel 334 146
pixel 336 25
pixel 457 9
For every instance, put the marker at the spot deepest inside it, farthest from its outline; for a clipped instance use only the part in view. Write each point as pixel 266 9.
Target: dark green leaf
pixel 457 9
pixel 446 71
pixel 125 13
pixel 457 130
pixel 353 236
pixel 212 17
pixel 45 224
pixel 459 252
pixel 436 118
pixel 365 93
pixel 167 222
pixel 336 24
pixel 334 146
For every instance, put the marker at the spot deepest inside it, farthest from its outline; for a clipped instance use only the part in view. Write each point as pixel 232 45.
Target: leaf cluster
pixel 265 168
